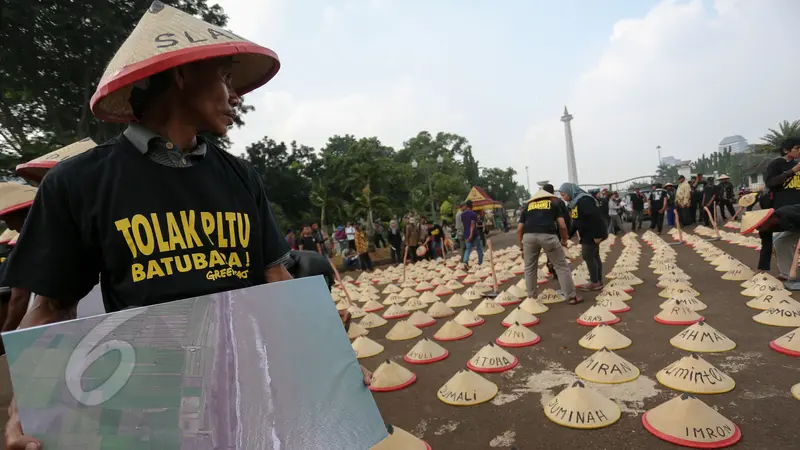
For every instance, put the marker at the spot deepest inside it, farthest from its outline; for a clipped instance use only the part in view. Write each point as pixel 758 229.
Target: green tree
pixel 774 138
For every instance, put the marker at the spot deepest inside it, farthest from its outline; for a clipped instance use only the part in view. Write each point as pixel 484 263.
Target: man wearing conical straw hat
pixel 159 212
pixel 543 227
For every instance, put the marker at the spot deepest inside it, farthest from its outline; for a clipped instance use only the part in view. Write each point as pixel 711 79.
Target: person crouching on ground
pixel 592 230
pixel 543 226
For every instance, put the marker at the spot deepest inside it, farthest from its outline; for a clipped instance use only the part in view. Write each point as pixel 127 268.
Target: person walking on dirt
pixel 589 224
pixel 658 206
pixel 543 227
pixel 724 193
pixel 637 206
pixel 615 221
pixel 413 237
pixel 698 189
pixel 683 200
pixel 460 231
pixel 395 242
pixel 669 189
pixel 709 200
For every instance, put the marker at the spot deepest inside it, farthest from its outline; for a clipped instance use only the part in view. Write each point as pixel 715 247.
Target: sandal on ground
pixel 575 300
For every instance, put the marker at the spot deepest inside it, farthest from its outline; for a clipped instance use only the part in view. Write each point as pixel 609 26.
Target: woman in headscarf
pixel 591 229
pixel 395 242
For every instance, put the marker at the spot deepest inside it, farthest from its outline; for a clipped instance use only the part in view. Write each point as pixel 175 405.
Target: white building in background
pixel 670 161
pixel 735 143
pixel 685 169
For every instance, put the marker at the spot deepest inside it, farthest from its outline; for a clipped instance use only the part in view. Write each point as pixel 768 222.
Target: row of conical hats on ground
pixel 752 242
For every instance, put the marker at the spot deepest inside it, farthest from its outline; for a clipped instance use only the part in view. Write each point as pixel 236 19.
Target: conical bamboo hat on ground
pixel 391 289
pixel 467 388
pixel 702 338
pixel 366 347
pixel 762 278
pixel 356 330
pixel 506 299
pixel 758 290
pixel 580 407
pixel 472 294
pixel 613 294
pixel 453 284
pixel 679 314
pixel 423 286
pixel 754 219
pixel 414 304
pixel 343 305
pixel 517 336
pixel 468 318
pixel 442 290
pixel 166 37
pixel 356 312
pixel 695 375
pixel 619 285
pixel 425 352
pixel 614 305
pixel 605 366
pixel 429 297
pixel 686 421
pixel 730 264
pixel 400 439
pixel 470 279
pixel 796 391
pixel 678 273
pixel 596 315
pixel 439 310
pixel 393 299
pixel 774 300
pixel 678 292
pixel 457 301
pixel 788 344
pixel 452 331
pixel 516 291
pixel 421 319
pixel 780 317
pixel 604 336
pixel 689 302
pixel 738 274
pixel 549 296
pixel 372 320
pixel 15 196
pixel 488 308
pixel 35 169
pixel 628 278
pixel 395 312
pixel 408 293
pixel 482 287
pixel 403 330
pixel 492 358
pixel 671 281
pixel 724 257
pixel 520 316
pixel 372 306
pixel 391 376
pixel 367 296
pixel 533 306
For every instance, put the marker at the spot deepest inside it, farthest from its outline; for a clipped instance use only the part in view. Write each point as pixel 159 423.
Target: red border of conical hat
pixel 128 74
pixel 15 196
pixel 7 236
pixel 592 324
pixel 475 324
pixel 372 310
pixel 425 361
pixel 514 362
pixel 35 169
pixel 394 388
pixel 773 344
pixel 425 324
pixel 518 345
pixel 737 436
pixel 683 322
pixel 402 314
pixel 756 218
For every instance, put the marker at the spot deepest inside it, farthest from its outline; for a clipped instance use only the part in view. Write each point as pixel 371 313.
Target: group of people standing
pixel 697 197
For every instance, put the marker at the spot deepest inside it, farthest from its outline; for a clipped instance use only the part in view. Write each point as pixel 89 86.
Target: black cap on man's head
pixel 549 188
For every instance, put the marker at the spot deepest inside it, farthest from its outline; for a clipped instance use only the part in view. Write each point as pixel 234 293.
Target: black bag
pixel 766 199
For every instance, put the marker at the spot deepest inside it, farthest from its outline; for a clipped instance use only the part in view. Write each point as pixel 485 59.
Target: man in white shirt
pixel 350 231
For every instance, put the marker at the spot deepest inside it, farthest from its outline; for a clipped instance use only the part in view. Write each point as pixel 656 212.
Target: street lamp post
pixel 427 169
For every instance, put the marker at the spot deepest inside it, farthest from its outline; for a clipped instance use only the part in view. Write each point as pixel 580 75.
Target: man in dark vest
pixel 724 193
pixel 159 212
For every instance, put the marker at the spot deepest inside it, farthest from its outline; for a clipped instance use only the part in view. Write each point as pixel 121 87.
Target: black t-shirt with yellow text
pixel 788 192
pixel 153 233
pixel 436 233
pixel 539 216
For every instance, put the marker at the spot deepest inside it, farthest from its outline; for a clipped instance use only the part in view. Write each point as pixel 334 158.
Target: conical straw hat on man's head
pixel 166 37
pixel 695 375
pixel 15 196
pixel 580 407
pixel 35 169
pixel 754 219
pixel 689 422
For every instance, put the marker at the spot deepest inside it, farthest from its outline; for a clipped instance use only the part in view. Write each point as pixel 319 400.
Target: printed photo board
pixel 268 367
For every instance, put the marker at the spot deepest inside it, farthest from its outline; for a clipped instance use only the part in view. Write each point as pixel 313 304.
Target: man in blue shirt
pixel 471 233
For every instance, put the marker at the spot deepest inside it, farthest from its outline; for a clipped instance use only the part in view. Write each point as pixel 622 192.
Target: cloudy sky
pixel 635 74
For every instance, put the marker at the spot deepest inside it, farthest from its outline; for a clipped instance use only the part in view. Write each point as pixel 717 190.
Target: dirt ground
pixel 761 404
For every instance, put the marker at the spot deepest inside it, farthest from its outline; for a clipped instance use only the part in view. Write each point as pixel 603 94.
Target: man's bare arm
pixel 277 273
pixel 46 310
pixel 17 307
